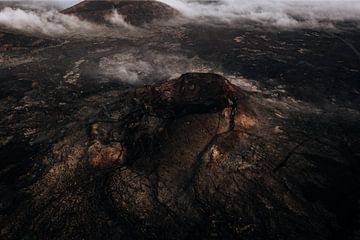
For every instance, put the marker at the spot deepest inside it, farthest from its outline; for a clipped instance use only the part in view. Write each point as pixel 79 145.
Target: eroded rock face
pixel 136 12
pixel 139 158
pixel 181 160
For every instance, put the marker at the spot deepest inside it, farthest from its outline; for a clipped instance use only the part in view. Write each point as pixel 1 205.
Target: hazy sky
pixel 228 8
pixel 56 3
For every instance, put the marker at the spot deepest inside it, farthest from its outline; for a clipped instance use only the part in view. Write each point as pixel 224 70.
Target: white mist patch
pixel 125 67
pixel 137 68
pixel 118 20
pixel 50 23
pixel 72 76
pixel 282 13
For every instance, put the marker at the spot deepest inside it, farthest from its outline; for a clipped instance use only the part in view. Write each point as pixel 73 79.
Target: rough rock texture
pixel 135 12
pixel 181 160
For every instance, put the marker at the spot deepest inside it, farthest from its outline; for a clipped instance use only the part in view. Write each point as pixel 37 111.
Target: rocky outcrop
pixel 186 159
pixel 164 129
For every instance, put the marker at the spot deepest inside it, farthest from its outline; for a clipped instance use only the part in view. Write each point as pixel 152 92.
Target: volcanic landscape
pixel 180 120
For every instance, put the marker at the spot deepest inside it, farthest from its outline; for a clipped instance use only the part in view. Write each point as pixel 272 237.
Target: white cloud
pixel 116 19
pixel 274 12
pixel 141 67
pixel 51 23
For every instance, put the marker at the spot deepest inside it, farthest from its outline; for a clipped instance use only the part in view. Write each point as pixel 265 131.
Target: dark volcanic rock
pixel 142 134
pixel 186 159
pixel 17 41
pixel 135 12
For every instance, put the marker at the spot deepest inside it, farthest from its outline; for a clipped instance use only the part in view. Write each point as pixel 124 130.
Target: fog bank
pixel 286 13
pixel 50 22
pixel 137 67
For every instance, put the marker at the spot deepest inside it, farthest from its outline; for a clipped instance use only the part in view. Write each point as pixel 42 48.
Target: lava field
pixel 134 120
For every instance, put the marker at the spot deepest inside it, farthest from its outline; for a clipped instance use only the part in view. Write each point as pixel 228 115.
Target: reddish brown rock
pixel 105 155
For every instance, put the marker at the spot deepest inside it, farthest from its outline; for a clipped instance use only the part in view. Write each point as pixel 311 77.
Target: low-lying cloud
pixel 279 13
pixel 137 67
pixel 49 22
pixel 282 13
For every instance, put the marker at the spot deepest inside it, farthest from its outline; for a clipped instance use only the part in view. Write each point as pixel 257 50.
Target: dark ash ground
pixel 97 143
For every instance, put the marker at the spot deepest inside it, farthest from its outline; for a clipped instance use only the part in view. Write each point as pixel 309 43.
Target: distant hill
pixel 135 12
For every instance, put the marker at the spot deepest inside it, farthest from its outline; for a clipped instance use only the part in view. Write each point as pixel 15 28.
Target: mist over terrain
pixel 47 22
pixel 281 13
pixel 46 18
pixel 272 13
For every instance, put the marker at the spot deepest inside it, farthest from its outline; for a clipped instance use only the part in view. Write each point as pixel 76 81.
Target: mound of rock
pixel 135 12
pixel 185 159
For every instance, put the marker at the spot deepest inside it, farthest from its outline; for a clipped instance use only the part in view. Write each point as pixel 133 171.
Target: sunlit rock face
pixel 136 12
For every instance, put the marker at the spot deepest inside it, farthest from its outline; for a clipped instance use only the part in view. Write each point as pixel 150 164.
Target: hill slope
pixel 136 12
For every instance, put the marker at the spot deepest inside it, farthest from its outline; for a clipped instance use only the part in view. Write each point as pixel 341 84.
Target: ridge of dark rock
pixel 184 159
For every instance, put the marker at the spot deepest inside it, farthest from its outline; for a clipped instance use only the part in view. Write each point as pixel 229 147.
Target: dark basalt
pixel 185 159
pixel 130 137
